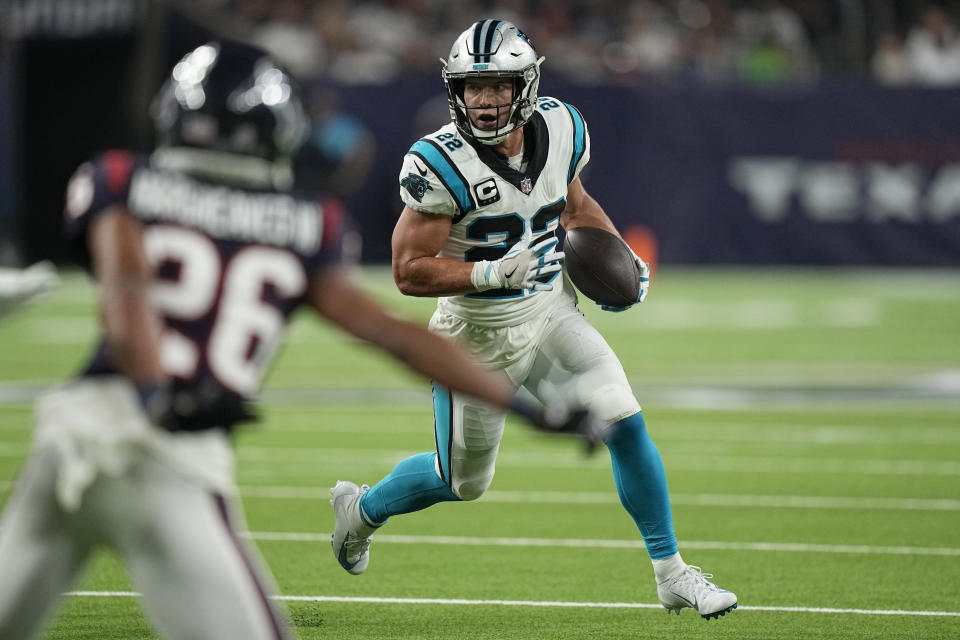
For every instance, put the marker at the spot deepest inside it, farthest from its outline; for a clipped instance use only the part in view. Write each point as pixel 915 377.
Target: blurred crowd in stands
pixel 759 42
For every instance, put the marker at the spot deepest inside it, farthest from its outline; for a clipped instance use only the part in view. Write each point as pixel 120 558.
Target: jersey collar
pixel 536 146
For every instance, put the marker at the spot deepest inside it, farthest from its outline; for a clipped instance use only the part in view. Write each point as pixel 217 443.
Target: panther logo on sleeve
pixel 416 185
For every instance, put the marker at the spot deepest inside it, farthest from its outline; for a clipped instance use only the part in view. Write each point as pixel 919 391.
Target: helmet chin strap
pixel 507 129
pixel 497 140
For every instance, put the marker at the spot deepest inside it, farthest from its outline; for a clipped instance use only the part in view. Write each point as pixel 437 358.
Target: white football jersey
pixel 493 205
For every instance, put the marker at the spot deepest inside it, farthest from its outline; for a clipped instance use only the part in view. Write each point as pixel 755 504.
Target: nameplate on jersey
pixel 486 192
pixel 230 214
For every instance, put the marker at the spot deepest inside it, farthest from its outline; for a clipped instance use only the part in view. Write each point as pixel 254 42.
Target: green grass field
pixel 809 421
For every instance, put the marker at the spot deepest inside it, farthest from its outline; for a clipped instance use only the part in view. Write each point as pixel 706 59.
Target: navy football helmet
pixel 230 111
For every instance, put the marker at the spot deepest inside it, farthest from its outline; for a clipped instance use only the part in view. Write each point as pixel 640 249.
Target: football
pixel 601 266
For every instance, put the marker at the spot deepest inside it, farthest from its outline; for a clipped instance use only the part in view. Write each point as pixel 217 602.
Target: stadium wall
pixel 824 175
pixel 9 203
pixel 833 174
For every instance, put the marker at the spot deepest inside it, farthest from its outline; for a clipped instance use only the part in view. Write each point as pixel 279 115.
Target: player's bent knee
pixel 470 491
pixel 472 488
pixel 613 402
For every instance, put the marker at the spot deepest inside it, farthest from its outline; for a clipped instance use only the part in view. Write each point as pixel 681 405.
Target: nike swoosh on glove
pixel 520 267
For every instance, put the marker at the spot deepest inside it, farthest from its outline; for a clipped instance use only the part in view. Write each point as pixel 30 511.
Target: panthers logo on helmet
pixel 416 185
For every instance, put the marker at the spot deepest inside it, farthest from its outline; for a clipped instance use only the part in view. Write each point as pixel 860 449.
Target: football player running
pixel 201 259
pixel 484 197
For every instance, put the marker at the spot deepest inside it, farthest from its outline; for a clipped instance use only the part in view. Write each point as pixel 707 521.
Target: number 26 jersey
pixel 230 264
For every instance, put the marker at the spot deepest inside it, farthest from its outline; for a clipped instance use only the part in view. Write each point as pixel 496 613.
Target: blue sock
pixel 412 485
pixel 642 484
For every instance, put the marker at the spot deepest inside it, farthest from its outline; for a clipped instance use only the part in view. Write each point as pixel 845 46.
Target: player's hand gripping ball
pixel 604 268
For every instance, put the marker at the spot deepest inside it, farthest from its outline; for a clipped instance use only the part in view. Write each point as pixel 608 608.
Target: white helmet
pixel 492 49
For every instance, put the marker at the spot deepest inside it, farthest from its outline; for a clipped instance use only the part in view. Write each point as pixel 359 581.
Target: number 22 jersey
pixel 493 205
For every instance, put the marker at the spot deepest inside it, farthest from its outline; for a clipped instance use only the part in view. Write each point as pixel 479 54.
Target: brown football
pixel 601 266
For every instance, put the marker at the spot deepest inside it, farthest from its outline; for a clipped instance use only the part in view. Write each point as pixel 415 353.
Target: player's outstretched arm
pixel 335 296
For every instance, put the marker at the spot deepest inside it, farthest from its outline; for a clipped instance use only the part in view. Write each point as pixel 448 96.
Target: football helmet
pixel 230 111
pixel 492 49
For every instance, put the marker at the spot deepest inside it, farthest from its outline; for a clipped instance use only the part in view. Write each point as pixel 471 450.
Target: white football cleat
pixel 351 537
pixel 691 588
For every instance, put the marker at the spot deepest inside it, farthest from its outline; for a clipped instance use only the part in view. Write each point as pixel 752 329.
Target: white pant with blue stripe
pixel 557 356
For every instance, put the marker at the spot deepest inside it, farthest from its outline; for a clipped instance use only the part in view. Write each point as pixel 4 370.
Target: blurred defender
pixel 200 259
pixel 484 196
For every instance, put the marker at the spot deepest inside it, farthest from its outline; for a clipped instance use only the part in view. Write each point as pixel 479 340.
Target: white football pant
pixel 176 534
pixel 558 357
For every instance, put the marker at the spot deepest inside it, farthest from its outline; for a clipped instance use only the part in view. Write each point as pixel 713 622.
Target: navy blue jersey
pixel 230 264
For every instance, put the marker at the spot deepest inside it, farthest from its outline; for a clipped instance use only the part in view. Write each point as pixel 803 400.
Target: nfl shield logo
pixel 526 185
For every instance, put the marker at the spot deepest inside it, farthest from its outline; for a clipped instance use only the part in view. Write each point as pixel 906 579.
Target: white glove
pixel 519 268
pixel 644 285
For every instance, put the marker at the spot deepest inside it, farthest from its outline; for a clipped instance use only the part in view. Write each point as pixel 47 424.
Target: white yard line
pixel 477 541
pixel 685 499
pixel 819 465
pixel 715 463
pixel 720 388
pixel 796 434
pixel 544 603
pixel 568 459
pixel 269 492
